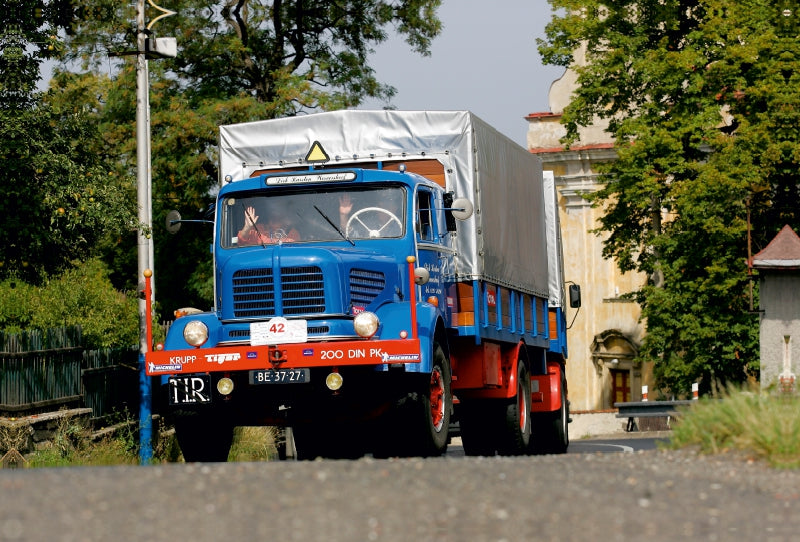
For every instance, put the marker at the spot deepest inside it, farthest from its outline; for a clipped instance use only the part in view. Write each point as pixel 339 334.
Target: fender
pixel 547 398
pixel 395 318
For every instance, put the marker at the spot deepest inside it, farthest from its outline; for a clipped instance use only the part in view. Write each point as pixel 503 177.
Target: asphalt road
pixel 647 495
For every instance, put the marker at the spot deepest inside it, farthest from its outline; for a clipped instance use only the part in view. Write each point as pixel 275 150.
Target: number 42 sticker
pixel 279 330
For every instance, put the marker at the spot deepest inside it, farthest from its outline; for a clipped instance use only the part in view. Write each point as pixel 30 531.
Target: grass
pixel 254 444
pixel 766 426
pixel 73 445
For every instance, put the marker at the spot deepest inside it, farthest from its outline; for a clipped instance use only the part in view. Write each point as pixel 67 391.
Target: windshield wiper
pixel 335 227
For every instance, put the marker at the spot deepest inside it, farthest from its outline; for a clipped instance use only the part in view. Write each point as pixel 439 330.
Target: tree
pixel 56 201
pixel 701 97
pixel 238 60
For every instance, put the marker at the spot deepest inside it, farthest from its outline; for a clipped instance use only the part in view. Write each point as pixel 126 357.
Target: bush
pixel 82 296
pixel 754 423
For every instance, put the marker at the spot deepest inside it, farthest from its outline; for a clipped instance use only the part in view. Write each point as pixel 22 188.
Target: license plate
pixel 278 330
pixel 280 376
pixel 189 389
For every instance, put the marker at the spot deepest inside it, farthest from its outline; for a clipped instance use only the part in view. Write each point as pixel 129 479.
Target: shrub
pixel 82 296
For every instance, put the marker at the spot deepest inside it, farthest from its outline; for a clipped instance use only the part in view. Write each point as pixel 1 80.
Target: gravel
pixel 653 496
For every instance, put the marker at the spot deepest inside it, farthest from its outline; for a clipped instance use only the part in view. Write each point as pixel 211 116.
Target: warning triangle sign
pixel 317 154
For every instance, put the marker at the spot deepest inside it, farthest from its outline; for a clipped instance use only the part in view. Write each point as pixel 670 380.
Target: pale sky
pixel 485 60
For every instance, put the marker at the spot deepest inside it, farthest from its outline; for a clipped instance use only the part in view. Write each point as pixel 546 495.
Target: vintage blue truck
pixel 379 276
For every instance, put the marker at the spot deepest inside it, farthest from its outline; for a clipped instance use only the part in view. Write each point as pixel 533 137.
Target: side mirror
pixel 458 209
pixel 462 209
pixel 173 221
pixel 574 296
pixel 210 211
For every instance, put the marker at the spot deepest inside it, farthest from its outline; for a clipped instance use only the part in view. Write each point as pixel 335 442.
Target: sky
pixel 485 60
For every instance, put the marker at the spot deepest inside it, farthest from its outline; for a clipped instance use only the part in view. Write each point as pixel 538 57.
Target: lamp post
pixel 146 47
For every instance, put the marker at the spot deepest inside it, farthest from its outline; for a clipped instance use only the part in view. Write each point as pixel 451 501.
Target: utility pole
pixel 147 46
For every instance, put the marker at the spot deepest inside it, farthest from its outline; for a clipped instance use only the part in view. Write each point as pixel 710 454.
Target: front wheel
pixel 420 426
pixel 203 437
pixel 438 402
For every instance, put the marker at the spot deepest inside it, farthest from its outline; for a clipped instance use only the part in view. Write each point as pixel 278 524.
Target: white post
pixel 145 238
pixel 644 393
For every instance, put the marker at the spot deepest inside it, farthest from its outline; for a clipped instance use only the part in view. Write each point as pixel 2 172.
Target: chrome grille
pixel 365 286
pixel 254 292
pixel 303 290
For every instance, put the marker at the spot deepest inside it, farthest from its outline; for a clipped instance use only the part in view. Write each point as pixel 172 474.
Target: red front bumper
pixel 242 358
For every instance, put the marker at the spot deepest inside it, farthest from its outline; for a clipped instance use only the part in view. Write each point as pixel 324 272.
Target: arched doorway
pixel 613 356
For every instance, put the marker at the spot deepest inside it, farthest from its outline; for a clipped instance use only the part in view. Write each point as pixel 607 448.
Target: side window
pixel 424 220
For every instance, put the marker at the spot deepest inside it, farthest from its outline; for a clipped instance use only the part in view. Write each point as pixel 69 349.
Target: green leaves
pixel 702 99
pixel 81 296
pixel 58 199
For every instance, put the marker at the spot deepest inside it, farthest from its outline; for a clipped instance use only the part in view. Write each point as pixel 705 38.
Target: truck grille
pixel 254 292
pixel 303 290
pixel 365 286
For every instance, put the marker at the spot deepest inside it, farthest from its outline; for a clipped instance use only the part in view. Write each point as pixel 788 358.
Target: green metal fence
pixel 44 370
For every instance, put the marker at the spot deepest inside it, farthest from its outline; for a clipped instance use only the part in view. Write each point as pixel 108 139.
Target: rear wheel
pixel 551 429
pixel 478 432
pixel 515 433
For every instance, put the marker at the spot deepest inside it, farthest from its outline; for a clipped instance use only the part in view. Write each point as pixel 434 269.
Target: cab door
pixel 433 252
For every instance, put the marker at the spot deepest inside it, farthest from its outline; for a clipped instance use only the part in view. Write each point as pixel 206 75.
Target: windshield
pixel 272 217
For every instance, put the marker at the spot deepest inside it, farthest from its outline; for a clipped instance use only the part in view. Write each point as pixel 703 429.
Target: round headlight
pixel 195 333
pixel 366 324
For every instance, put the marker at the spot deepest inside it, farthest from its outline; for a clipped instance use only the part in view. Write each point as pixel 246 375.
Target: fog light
pixel 225 386
pixel 334 381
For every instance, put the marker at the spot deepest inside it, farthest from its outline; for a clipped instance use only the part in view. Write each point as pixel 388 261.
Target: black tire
pixel 551 429
pixel 561 421
pixel 202 437
pixel 515 432
pixel 308 442
pixel 420 426
pixel 478 421
pixel 334 440
pixel 437 405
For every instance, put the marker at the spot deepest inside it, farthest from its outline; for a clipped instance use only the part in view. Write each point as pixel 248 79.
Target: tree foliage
pixel 238 61
pixel 702 99
pixel 57 200
pixel 81 296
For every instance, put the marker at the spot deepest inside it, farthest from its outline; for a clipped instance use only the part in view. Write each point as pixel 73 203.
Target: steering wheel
pixel 373 220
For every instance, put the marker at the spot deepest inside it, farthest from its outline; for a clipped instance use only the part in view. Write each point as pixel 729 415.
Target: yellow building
pixel 606 332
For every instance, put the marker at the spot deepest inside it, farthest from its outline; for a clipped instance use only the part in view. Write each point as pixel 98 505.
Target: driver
pixel 276 228
pixel 380 220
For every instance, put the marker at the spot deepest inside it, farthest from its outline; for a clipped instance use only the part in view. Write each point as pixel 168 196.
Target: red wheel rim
pixel 437 399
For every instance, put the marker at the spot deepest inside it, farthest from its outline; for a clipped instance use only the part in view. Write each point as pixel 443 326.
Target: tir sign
pixel 316 154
